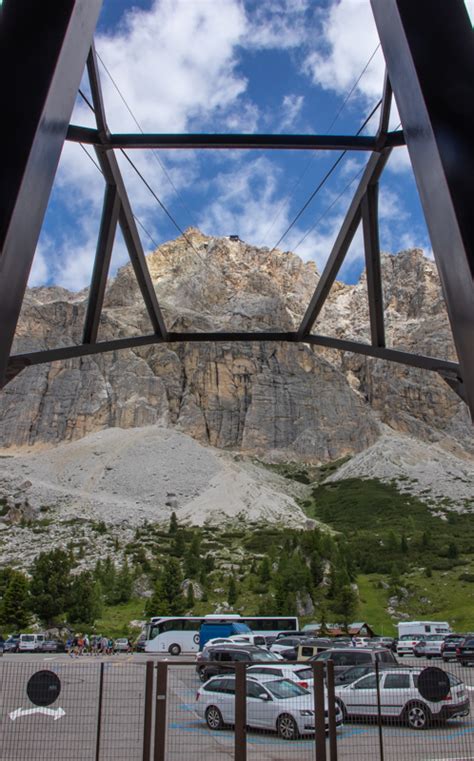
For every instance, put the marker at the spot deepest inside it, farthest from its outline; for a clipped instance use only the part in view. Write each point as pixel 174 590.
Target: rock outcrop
pixel 276 401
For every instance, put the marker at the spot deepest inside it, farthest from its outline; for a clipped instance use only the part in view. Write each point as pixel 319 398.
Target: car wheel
pixel 202 675
pixel 174 649
pixel 418 716
pixel 343 709
pixel 214 718
pixel 287 727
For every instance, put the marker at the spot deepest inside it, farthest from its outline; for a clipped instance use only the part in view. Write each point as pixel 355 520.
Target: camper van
pixel 423 627
pixel 411 632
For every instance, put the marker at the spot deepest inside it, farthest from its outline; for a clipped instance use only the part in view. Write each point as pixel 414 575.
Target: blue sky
pixel 231 66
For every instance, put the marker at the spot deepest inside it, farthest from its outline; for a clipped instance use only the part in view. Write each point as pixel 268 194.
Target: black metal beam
pixel 384 120
pixel 370 224
pixel 44 48
pixel 105 242
pixel 113 176
pixel 392 355
pixel 212 141
pixel 371 174
pixel 428 48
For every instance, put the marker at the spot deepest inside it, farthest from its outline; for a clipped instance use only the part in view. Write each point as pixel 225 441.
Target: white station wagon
pixel 400 698
pixel 276 704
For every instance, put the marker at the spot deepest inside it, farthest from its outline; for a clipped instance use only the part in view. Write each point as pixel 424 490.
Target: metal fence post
pixel 160 711
pixel 379 711
pixel 319 718
pixel 99 712
pixel 240 736
pixel 148 713
pixel 331 710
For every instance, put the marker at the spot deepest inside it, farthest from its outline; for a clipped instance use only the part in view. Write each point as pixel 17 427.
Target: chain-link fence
pixel 134 710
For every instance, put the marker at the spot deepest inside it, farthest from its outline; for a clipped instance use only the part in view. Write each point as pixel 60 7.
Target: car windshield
pixel 435 638
pixel 412 636
pixel 27 638
pixel 304 673
pixel 264 655
pixel 284 688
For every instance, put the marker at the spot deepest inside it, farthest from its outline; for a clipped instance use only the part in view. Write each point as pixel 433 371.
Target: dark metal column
pixel 370 224
pixel 428 47
pixel 372 172
pixel 44 50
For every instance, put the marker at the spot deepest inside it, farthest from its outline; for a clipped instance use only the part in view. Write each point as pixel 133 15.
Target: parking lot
pixel 74 734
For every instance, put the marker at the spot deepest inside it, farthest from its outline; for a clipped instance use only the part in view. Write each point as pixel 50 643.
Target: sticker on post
pixel 43 689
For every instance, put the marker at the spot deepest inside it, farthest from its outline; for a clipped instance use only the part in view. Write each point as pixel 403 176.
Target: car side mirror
pixel 264 696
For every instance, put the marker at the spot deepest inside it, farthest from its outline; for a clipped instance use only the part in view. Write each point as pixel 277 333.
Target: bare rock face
pixel 278 401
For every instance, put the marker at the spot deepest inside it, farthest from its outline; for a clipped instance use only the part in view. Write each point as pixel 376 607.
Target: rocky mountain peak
pixel 276 401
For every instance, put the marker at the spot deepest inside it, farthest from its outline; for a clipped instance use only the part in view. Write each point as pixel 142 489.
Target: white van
pixel 30 643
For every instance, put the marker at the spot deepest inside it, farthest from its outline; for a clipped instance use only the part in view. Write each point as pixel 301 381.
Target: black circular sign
pixel 43 688
pixel 433 684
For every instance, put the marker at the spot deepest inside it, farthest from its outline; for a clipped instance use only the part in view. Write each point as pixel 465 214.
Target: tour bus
pixel 176 634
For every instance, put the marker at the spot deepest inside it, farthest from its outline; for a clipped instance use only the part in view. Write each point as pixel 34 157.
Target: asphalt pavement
pixel 69 729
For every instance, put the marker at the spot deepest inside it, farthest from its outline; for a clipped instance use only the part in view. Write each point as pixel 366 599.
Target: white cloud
pixel 349 37
pixel 245 203
pixel 278 24
pixel 291 109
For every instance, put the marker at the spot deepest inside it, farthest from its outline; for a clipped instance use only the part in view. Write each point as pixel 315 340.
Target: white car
pixel 285 643
pixel 298 673
pixel 277 704
pixel 248 639
pixel 430 647
pixel 407 642
pixel 400 698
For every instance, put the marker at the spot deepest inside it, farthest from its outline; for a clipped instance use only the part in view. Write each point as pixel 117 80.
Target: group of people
pixel 82 644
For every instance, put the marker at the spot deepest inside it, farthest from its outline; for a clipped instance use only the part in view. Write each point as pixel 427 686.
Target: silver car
pixel 280 705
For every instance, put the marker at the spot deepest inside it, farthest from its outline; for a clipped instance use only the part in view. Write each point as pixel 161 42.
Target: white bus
pixel 176 634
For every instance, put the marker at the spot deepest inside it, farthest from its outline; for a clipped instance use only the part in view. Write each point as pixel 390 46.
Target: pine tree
pixel 171 587
pixel 403 544
pixel 178 546
pixel 232 591
pixel 345 605
pixel 107 580
pixel 265 572
pixel 173 527
pixel 14 609
pixel 51 585
pixel 123 584
pixel 190 597
pixel 192 557
pixel 86 599
pixel 209 563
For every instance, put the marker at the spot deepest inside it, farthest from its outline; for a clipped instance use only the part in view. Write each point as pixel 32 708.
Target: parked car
pixel 407 642
pixel 448 648
pixel 2 644
pixel 345 657
pixel 430 647
pixel 11 644
pixel 348 676
pixel 249 639
pixel 52 646
pixel 222 659
pixel 277 704
pixel 285 643
pixel 400 699
pixel 465 651
pixel 310 647
pixel 387 642
pixel 298 673
pixel 122 645
pixel 140 644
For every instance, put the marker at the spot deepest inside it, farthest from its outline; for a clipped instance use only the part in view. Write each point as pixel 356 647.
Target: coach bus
pixel 176 634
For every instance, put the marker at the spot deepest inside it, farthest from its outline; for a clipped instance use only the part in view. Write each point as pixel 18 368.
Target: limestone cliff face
pixel 273 400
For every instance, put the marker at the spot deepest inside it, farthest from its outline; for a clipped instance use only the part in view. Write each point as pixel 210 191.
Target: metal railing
pixel 136 710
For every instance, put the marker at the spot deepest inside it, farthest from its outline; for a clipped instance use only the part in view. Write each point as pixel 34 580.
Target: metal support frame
pixel 428 50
